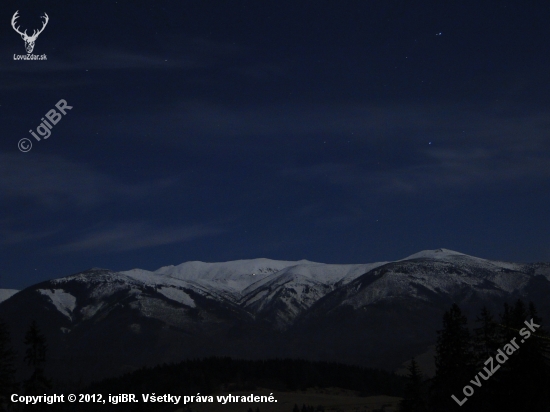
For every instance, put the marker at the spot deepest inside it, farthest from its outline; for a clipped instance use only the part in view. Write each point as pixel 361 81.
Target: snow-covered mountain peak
pixel 435 254
pixel 231 268
pixel 453 257
pixel 280 291
pixel 233 276
pixel 91 275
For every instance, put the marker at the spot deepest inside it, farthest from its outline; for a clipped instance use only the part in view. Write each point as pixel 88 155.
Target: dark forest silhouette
pixel 520 383
pixel 520 380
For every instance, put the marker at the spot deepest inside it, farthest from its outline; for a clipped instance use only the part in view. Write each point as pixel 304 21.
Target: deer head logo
pixel 29 40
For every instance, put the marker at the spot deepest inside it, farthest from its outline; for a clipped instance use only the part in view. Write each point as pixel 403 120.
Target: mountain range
pixel 100 323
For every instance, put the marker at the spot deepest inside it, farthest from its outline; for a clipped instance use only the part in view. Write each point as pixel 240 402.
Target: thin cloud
pixel 195 53
pixel 135 235
pixel 369 125
pixel 10 237
pixel 460 169
pixel 55 182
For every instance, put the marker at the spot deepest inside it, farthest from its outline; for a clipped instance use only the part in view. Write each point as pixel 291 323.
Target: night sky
pixel 333 131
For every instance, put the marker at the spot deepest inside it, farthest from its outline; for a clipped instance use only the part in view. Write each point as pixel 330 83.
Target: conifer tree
pixel 36 357
pixel 413 400
pixel 525 377
pixel 486 339
pixel 486 342
pixel 7 369
pixel 453 360
pixel 542 348
pixel 519 313
pixel 453 350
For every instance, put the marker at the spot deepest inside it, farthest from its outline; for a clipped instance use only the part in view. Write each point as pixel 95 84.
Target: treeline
pixel 501 365
pixel 209 375
pixel 205 376
pixel 35 356
pixel 212 374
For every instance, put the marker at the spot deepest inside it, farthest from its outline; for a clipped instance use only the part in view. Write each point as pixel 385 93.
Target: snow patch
pixel 177 295
pixel 90 310
pixel 63 301
pixel 5 294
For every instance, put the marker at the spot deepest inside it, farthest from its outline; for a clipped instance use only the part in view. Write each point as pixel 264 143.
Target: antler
pixel 29 40
pixel 35 32
pixel 15 17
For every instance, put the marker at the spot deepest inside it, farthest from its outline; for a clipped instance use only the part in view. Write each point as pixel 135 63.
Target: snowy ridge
pixel 434 254
pixel 89 276
pixel 443 272
pixel 225 280
pixel 5 294
pixel 233 276
pixel 280 291
pixel 293 290
pixel 264 308
pixel 283 298
pixel 452 256
pixel 327 274
pixel 216 290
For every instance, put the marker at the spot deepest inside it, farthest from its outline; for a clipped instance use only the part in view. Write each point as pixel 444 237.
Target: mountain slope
pixel 282 297
pixel 398 306
pixel 380 314
pixel 6 294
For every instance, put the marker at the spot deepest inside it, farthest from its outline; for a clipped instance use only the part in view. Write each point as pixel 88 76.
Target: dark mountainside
pixel 99 323
pixel 224 375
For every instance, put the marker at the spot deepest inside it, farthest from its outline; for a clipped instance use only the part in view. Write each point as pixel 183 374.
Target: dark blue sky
pixel 334 131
